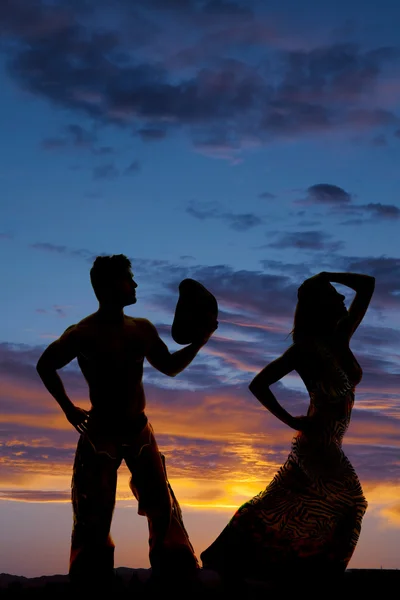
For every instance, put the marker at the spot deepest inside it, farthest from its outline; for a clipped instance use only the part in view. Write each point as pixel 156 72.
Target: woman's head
pixel 319 309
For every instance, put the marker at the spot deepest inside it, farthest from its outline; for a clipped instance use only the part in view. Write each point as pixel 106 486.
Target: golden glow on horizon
pixel 32 501
pixel 51 420
pixel 392 514
pixel 383 499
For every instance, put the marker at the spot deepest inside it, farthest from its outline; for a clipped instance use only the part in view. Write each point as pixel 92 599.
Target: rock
pixel 196 312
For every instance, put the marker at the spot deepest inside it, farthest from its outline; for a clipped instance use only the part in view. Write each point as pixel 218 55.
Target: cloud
pixel 146 267
pixel 364 119
pixel 220 7
pixel 392 513
pixel 59 310
pixel 80 136
pixel 139 73
pixel 326 193
pixel 74 137
pixel 108 172
pixel 32 20
pixel 53 143
pixel 379 140
pixel 266 196
pixel 133 168
pixel 219 147
pixel 298 270
pixel 372 213
pixel 340 202
pixel 373 335
pixel 384 211
pixel 102 150
pixel 246 291
pixel 243 222
pixel 238 222
pixel 35 496
pixel 60 249
pixel 150 134
pixel 204 210
pixel 308 241
pixel 386 271
pixel 50 247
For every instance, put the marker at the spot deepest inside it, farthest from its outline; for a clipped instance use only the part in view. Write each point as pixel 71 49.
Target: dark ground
pixel 355 584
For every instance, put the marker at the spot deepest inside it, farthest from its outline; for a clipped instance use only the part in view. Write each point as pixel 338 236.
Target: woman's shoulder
pixel 308 352
pixel 293 353
pixel 301 347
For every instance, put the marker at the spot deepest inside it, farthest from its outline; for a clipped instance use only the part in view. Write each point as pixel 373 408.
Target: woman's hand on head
pixel 321 277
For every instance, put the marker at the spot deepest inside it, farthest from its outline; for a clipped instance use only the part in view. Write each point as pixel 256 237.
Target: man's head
pixel 112 280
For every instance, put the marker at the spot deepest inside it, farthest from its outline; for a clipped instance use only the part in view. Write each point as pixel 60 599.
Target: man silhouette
pixel 110 348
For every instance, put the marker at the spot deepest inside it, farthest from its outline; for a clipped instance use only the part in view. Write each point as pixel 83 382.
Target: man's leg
pixel 169 547
pixel 177 530
pixel 94 485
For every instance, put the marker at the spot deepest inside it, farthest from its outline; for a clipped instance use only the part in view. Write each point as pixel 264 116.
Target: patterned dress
pixel 309 516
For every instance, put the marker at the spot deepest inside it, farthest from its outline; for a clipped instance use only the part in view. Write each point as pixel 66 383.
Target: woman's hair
pixel 312 316
pixel 106 270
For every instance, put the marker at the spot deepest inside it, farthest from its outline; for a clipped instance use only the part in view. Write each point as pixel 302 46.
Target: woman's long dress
pixel 310 514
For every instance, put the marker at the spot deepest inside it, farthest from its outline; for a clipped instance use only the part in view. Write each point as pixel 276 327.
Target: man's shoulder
pixel 69 331
pixel 143 327
pixel 80 327
pixel 139 321
pixel 87 321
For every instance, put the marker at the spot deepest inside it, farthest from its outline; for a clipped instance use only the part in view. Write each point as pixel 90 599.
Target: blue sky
pixel 247 146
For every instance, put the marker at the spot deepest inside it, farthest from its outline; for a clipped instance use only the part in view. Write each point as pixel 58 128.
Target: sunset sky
pixel 247 145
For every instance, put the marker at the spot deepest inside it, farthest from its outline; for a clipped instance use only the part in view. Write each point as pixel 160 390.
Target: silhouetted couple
pixel 311 512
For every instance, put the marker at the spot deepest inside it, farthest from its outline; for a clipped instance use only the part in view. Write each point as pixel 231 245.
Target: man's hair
pixel 106 270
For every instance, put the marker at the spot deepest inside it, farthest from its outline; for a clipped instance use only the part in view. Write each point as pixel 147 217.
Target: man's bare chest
pixel 112 346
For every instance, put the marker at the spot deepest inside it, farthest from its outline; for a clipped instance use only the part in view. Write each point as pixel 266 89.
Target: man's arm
pixel 170 363
pixel 56 356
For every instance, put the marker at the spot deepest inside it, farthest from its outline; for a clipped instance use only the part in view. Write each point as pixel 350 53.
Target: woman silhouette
pixel 309 516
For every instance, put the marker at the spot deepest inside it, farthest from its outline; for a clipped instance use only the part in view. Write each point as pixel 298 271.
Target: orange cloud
pixel 392 514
